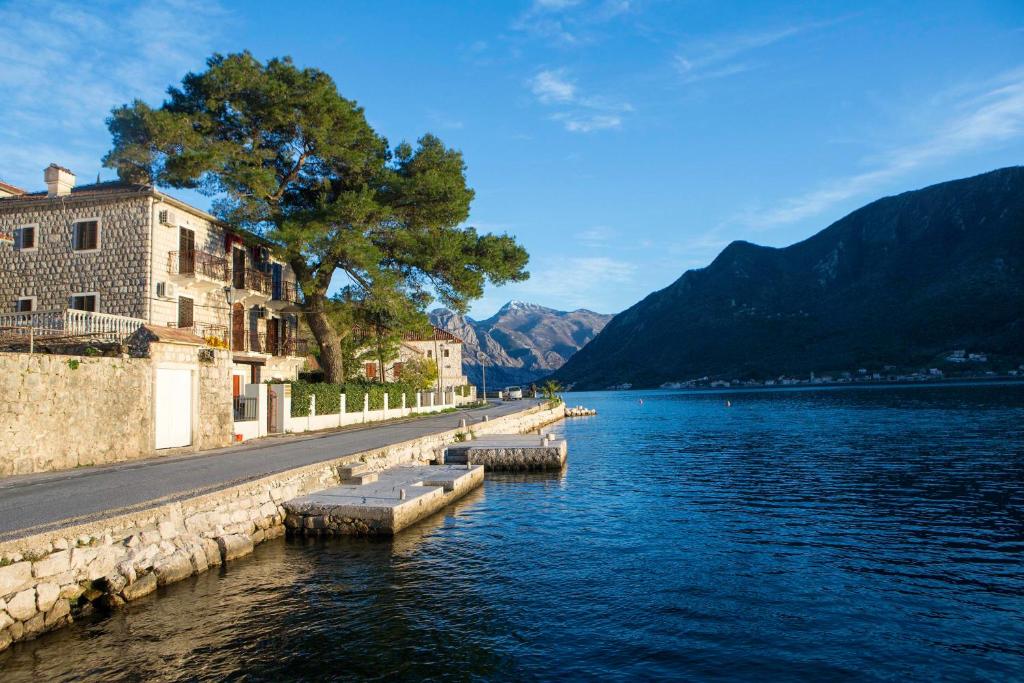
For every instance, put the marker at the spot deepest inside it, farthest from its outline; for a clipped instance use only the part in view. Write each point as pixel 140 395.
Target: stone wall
pixel 53 271
pixel 62 412
pixel 48 579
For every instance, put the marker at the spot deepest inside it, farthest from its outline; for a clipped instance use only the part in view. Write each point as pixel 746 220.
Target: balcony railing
pixel 259 342
pixel 286 291
pixel 193 263
pixel 69 323
pixel 214 335
pixel 252 280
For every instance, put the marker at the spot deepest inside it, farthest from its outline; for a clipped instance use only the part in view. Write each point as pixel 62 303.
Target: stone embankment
pixel 48 579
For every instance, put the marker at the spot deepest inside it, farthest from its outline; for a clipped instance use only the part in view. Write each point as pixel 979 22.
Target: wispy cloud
pixel 67 64
pixel 729 55
pixel 569 22
pixel 579 113
pixel 575 282
pixel 983 119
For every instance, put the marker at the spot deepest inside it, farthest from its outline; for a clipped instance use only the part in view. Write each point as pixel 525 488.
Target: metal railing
pixel 69 323
pixel 252 280
pixel 192 263
pixel 286 290
pixel 213 334
pixel 245 408
pixel 259 342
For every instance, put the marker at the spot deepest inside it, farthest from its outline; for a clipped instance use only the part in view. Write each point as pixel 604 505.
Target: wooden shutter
pixel 371 371
pixel 185 312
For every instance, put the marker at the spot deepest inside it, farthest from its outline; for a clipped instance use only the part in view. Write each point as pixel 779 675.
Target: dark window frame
pixel 82 242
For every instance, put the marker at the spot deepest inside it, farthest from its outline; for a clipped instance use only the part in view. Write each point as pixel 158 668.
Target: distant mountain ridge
pixel 523 342
pixel 899 281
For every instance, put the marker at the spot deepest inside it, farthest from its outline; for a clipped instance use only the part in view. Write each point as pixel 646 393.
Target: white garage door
pixel 173 408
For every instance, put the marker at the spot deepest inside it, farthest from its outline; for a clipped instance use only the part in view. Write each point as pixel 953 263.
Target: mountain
pixel 523 342
pixel 901 281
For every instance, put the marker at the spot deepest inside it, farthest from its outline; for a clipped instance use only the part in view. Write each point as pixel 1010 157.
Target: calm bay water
pixel 798 535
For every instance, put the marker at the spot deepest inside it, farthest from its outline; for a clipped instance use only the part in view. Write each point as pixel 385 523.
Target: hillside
pixel 523 342
pixel 900 281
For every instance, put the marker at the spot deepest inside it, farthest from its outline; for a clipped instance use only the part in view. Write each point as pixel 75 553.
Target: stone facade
pixel 52 271
pixel 62 412
pixel 48 579
pixel 229 288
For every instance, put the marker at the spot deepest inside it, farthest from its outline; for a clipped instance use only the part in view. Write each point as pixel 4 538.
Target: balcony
pixel 197 269
pixel 284 297
pixel 65 326
pixel 262 343
pixel 251 286
pixel 215 336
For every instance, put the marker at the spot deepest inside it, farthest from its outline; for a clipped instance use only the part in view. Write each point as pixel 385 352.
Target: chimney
pixel 59 180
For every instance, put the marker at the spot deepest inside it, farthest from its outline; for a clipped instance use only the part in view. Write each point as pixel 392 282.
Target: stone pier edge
pixel 48 577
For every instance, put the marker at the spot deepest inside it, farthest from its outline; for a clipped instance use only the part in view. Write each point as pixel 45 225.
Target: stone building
pixel 131 251
pixel 441 347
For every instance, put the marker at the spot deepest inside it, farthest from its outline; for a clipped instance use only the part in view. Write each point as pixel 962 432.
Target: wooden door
pixel 238 268
pixel 272 336
pixel 186 251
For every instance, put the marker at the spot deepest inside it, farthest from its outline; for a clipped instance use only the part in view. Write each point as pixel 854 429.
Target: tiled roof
pixel 7 187
pixel 173 334
pixel 93 189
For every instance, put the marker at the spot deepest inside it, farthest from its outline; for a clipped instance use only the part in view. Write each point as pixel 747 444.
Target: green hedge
pixel 328 398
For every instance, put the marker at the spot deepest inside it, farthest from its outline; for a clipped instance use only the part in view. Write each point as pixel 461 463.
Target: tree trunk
pixel 326 338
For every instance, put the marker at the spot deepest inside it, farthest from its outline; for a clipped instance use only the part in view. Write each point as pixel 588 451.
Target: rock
pixel 105 561
pixel 61 544
pixel 46 595
pixel 234 546
pixel 167 530
pixel 143 586
pixel 23 605
pixel 51 565
pixel 35 625
pixel 197 555
pixel 127 570
pixel 58 613
pixel 5 639
pixel 72 591
pixel 212 550
pixel 15 577
pixel 110 601
pixel 174 567
pixel 17 630
pixel 115 583
pixel 5 620
pixel 81 557
pixel 151 537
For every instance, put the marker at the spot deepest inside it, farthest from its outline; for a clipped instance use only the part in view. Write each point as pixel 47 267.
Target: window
pixel 446 353
pixel 25 238
pixel 85 302
pixel 25 304
pixel 371 371
pixel 85 235
pixel 430 354
pixel 185 312
pixel 396 370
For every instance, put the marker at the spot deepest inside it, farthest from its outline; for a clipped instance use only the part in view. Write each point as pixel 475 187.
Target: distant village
pixel 958 364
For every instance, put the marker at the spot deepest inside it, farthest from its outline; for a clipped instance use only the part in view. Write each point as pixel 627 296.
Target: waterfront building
pixel 119 253
pixel 439 347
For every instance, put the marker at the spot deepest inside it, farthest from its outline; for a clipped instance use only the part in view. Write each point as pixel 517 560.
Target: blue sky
pixel 622 141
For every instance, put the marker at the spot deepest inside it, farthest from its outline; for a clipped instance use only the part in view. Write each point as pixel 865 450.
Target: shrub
pixel 328 398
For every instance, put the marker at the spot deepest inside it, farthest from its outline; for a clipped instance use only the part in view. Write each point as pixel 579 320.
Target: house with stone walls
pixel 440 347
pixel 123 250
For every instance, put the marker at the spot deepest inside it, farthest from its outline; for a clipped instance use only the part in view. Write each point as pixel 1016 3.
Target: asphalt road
pixel 36 503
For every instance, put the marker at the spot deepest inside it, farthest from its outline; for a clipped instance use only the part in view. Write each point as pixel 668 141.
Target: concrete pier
pixel 380 503
pixel 510 452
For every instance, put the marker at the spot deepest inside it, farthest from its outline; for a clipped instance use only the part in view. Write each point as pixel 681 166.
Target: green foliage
pixel 355 391
pixel 550 390
pixel 74 363
pixel 328 398
pixel 284 154
pixel 91 352
pixel 420 373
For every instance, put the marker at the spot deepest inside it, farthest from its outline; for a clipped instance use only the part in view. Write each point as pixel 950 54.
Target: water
pixel 799 535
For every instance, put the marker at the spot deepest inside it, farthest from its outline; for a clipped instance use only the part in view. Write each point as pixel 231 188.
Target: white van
pixel 513 393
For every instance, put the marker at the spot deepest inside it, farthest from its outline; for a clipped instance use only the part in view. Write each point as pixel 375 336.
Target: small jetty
pixel 579 411
pixel 380 503
pixel 510 452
